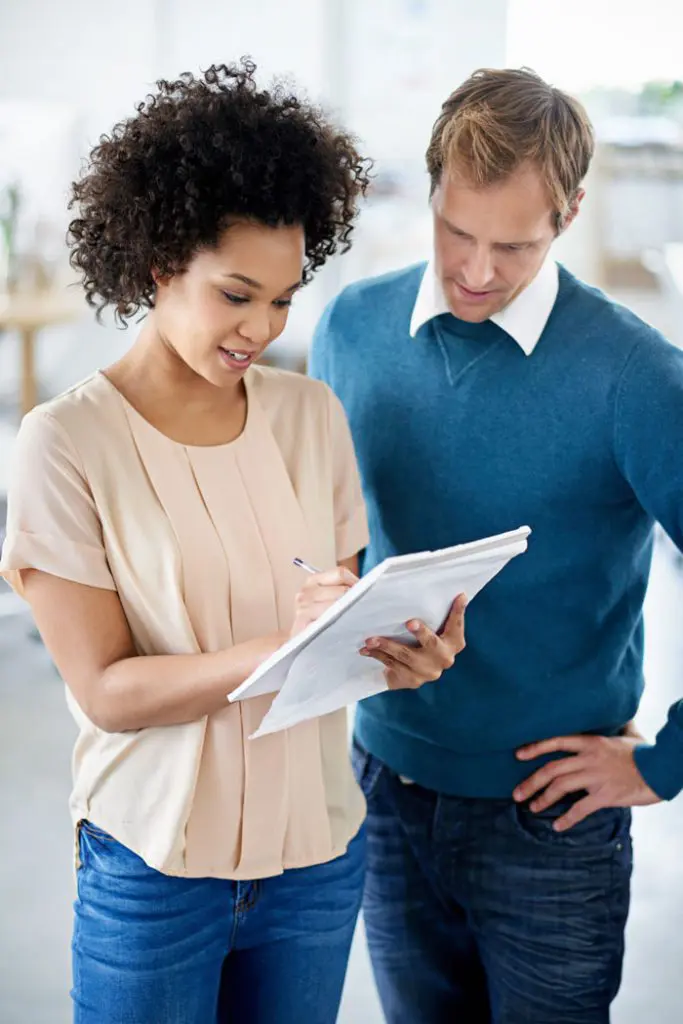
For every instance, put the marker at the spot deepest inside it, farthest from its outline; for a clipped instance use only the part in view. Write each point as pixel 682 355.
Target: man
pixel 487 390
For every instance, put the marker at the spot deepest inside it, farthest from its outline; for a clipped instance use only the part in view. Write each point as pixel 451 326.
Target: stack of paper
pixel 320 670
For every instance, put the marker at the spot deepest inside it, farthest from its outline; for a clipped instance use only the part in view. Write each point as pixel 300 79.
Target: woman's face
pixel 231 302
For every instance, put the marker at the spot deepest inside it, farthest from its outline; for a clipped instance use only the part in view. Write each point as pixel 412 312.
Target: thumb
pixel 454 627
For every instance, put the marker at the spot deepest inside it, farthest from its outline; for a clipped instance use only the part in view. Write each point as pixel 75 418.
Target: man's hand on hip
pixel 602 766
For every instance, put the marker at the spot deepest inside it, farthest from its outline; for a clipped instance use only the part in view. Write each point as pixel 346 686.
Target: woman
pixel 154 515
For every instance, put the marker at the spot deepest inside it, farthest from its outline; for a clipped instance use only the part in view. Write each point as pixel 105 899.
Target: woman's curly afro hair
pixel 199 153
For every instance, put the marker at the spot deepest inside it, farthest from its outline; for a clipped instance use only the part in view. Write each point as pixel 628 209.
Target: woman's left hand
pixel 407 667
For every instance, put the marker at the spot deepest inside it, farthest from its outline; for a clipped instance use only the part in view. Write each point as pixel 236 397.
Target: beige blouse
pixel 198 542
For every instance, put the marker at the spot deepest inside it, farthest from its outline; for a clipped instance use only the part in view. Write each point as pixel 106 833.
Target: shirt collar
pixel 524 319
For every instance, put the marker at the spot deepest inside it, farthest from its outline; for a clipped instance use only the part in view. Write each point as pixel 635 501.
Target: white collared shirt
pixel 524 319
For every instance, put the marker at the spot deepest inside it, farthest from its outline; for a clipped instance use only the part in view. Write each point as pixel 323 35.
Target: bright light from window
pixel 587 43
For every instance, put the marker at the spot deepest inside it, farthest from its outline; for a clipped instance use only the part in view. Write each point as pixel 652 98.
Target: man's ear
pixel 572 213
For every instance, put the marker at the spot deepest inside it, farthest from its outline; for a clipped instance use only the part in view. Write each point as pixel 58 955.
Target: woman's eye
pixel 240 300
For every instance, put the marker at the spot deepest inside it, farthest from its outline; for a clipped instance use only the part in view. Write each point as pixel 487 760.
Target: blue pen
pixel 300 564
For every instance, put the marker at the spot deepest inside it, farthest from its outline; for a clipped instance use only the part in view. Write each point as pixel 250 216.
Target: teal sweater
pixel 460 435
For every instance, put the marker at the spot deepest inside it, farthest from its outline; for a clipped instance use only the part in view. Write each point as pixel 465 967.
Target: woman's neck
pixel 173 398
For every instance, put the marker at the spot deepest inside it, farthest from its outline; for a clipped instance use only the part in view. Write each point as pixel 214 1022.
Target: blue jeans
pixel 477 912
pixel 154 949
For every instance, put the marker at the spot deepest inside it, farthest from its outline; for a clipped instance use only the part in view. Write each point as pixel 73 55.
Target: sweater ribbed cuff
pixel 661 763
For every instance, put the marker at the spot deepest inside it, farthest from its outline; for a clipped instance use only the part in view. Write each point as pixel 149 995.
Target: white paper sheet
pixel 320 670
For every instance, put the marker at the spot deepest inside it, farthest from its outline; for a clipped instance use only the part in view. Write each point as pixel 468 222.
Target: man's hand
pixel 407 666
pixel 603 766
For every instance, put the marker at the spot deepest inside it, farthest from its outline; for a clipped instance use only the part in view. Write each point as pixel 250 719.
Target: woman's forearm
pixel 171 689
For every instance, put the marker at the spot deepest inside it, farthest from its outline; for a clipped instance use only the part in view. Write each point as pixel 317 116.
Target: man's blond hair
pixel 499 120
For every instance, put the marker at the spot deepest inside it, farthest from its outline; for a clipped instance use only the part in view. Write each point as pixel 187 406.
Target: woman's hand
pixel 318 593
pixel 409 667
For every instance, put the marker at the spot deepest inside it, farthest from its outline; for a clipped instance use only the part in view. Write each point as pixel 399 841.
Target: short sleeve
pixel 52 521
pixel 351 525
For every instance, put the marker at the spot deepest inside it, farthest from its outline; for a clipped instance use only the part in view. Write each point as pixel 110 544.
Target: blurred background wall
pixel 68 71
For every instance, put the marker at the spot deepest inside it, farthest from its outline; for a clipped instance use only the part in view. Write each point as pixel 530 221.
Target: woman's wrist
pixel 274 641
pixel 243 659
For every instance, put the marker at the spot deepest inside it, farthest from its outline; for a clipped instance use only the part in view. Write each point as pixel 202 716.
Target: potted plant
pixel 9 211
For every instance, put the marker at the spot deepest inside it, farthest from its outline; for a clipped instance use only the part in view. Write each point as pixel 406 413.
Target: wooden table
pixel 28 313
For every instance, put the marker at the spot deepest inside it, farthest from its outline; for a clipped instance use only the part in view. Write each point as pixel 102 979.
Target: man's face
pixel 490 242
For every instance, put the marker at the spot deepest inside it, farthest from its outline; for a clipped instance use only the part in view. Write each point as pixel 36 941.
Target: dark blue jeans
pixel 152 949
pixel 477 912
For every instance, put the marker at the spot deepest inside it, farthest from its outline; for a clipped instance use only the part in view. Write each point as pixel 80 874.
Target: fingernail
pixel 372 643
pixel 364 651
pixel 533 807
pixel 413 626
pixel 517 795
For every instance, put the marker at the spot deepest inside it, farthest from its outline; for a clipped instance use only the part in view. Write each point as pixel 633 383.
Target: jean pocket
pixel 604 830
pixel 103 855
pixel 93 844
pixel 366 767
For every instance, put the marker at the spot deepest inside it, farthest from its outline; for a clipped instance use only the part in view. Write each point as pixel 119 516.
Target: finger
pixel 570 744
pixel 332 578
pixel 441 650
pixel 314 600
pixel 581 809
pixel 542 778
pixel 429 664
pixel 454 626
pixel 559 789
pixel 425 636
pixel 326 595
pixel 378 655
pixel 398 677
pixel 398 653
